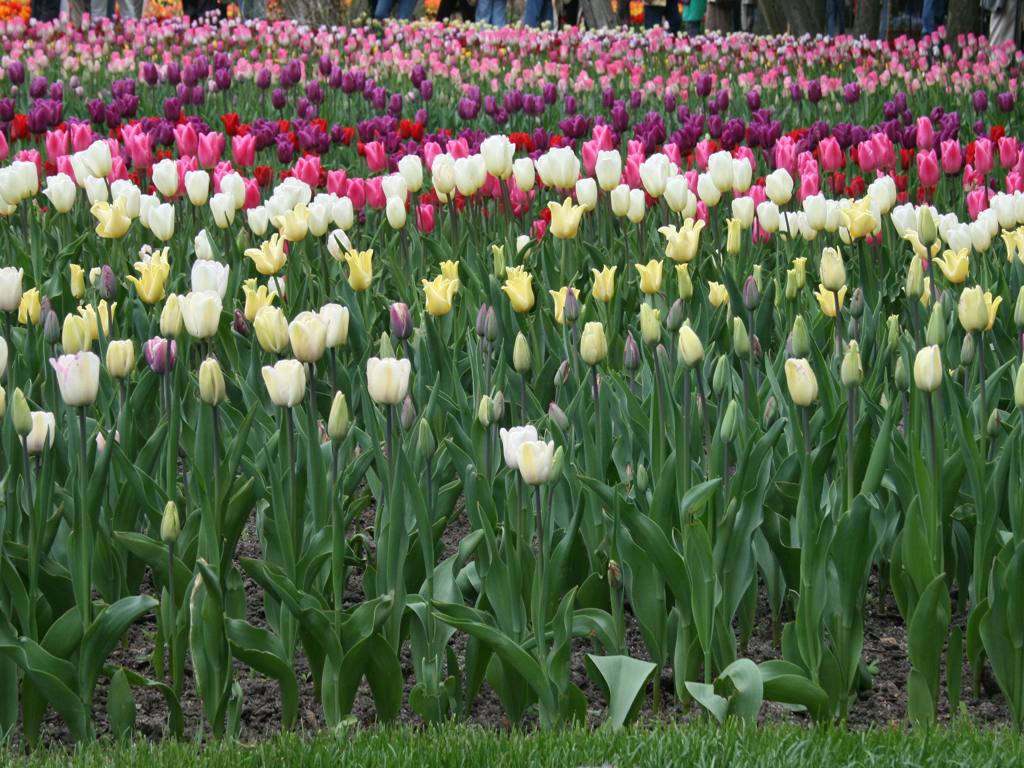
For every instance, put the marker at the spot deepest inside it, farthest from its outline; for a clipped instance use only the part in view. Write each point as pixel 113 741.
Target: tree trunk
pixel 869 16
pixel 599 13
pixel 963 17
pixel 797 17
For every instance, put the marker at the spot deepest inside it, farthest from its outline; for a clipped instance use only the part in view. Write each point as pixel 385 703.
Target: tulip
pixel 113 219
pixel 387 380
pixel 803 386
pixel 78 377
pixel 779 186
pixel 360 269
pixel 160 354
pixel 650 324
pixel 620 199
pixel 411 169
pixel 497 152
pixel 201 313
pixel 732 243
pixel 396 213
pixel 96 190
pixel 270 257
pixel 691 351
pixel 75 335
pixel 28 309
pixel 593 344
pixel 833 273
pixel 684 285
pixel 211 382
pixel 608 169
pixel 768 217
pixel 650 276
pixel 743 211
pixel 336 317
pixel 222 206
pixel 165 177
pixel 170 317
pixel 708 193
pixel 319 220
pixel 565 219
pixel 717 294
pixel 170 525
pixel 519 288
pixel 204 251
pixel 308 336
pixel 61 191
pixel 525 174
pixel 973 310
pixel 120 358
pixel 286 382
pixel 827 300
pixel 682 244
pixel 439 294
pixel 338 423
pixel 1018 389
pixel 559 298
pixel 293 224
pixel 88 312
pixel 42 433
pixel 559 167
pixel 851 371
pixel 271 326
pixel 535 460
pixel 586 194
pixel 259 219
pixel 720 168
pixel 915 279
pixel 512 439
pixel 816 209
pixel 955 265
pixel 604 284
pixel 77 282
pixel 928 369
pixel 521 354
pixel 197 185
pixel 210 276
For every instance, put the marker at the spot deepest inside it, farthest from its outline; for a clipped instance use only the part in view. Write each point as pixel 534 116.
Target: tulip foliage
pixel 654 372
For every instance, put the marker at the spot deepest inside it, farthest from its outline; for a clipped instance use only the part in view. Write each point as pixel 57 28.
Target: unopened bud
pixel 426 441
pixel 401 321
pixel 521 354
pixel 902 375
pixel 851 371
pixel 893 328
pixel 642 479
pixel 801 338
pixel 21 413
pixel 720 379
pixel 485 411
pixel 239 325
pixel 170 527
pixel 936 335
pixel 211 382
pixel 857 302
pixel 675 318
pixel 684 284
pixel 771 412
pixel 557 464
pixel 995 421
pixel 557 415
pixel 481 321
pixel 51 328
pixel 562 374
pixel 499 406
pixel 491 330
pixel 1018 388
pixel 751 294
pixel 614 575
pixel 740 339
pixel 385 349
pixel 630 353
pixel 915 280
pixel 408 413
pixel 1018 309
pixel 571 310
pixel 731 422
pixel 338 422
pixel 791 289
pixel 107 284
pixel 968 351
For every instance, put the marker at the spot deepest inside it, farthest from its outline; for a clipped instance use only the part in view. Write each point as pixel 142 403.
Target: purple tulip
pixel 427 90
pixel 285 150
pixel 6 110
pixel 570 105
pixel 715 126
pixel 325 65
pixel 422 117
pixel 753 100
pixel 188 75
pixel 722 100
pixel 222 78
pixel 57 91
pixel 703 85
pixel 501 116
pixel 401 321
pixel 979 128
pixel 161 354
pixel 37 88
pixel 314 92
pixel 620 117
pixel 278 99
pixel 980 100
pixel 150 73
pixel 550 93
pixel 1005 101
pixel 636 98
pixel 814 91
pixel 263 79
pixel 174 73
pixel 468 109
pixel 608 98
pixel 16 73
pixel 198 95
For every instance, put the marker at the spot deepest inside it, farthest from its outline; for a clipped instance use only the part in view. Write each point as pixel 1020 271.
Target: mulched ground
pixel 885 644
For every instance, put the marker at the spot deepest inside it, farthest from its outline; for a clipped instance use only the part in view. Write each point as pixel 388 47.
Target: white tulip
pixel 586 193
pixel 61 191
pixel 222 205
pixel 204 250
pixel 161 222
pixel 197 185
pixel 608 169
pixel 511 439
pixel 165 177
pixel 387 380
pixel 411 168
pixel 96 190
pixel 210 276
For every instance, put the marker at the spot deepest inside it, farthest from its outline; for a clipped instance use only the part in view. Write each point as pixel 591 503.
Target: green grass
pixel 691 746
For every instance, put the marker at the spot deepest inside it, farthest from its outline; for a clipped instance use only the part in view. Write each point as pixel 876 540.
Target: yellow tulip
pixel 833 273
pixel 256 298
pixel 360 269
pixel 271 328
pixel 683 282
pixel 77 282
pixel 294 224
pixel 800 272
pixel 920 250
pixel 89 313
pixel 270 257
pixel 993 307
pixel 682 244
pixel 559 298
pixel 827 299
pixel 691 350
pixel 717 294
pixel 802 383
pixel 308 336
pixel 926 297
pixel 565 219
pixel 450 270
pixel 154 275
pixel 732 242
pixel 928 369
pixel 604 284
pixel 519 287
pixel 650 276
pixel 439 295
pixel 593 344
pixel 650 324
pixel 29 309
pixel 955 265
pixel 75 335
pixel 859 219
pixel 113 219
pixel 1009 238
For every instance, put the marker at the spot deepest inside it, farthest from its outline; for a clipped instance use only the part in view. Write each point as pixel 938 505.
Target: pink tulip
pixel 603 138
pixel 337 182
pixel 118 171
pixel 702 213
pixel 925 133
pixel 760 235
pixel 1008 151
pixel 252 194
pixel 63 165
pixel 691 181
pixel 758 195
pixel 701 153
pixel 743 153
pixel 809 186
pixel 5 150
pixel 211 147
pixel 431 149
pixel 244 150
pixel 458 148
pixel 885 155
pixel 977 201
pixel 307 169
pixel 425 218
pixel 952 157
pixel 866 157
pixel 140 149
pixel 186 139
pixel 632 171
pixel 31 156
pixel 539 228
pixel 928 168
pixel 376 157
pixel 785 155
pixel 589 157
pixel 356 192
pixel 1014 182
pixel 56 145
pixel 375 194
pixel 830 154
pixel 81 137
pixel 634 147
pixel 672 153
pixel 983 160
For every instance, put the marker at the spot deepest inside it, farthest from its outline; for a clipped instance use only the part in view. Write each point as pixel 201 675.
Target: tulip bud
pixel 385 350
pixel 751 294
pixel 857 302
pixel 499 261
pixel 902 377
pixel 21 412
pixel 120 358
pixel 691 350
pixel 642 479
pixel 995 422
pixel 571 310
pixel 499 405
pixel 968 351
pixel 791 289
pixel 630 353
pixel 562 374
pixel 557 463
pixel 593 344
pixel 720 378
pixel 614 575
pixel 1018 388
pixel 801 338
pixel 425 441
pixel 894 331
pixel 481 321
pixel 675 318
pixel 51 328
pixel 107 284
pixel 915 280
pixel 485 412
pixel 491 327
pixel 170 318
pixel 650 325
pixel 211 382
pixel 802 383
pixel 925 227
pixel 936 327
pixel 557 415
pixel 521 354
pixel 338 422
pixel 3 402
pixel 408 413
pixel 740 339
pixel 771 412
pixel 851 371
pixel 239 325
pixel 730 422
pixel 170 527
pixel 833 273
pixel 1018 310
pixel 401 321
pixel 685 285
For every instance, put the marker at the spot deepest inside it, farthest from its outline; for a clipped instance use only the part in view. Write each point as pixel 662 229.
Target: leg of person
pixel 673 17
pixel 929 22
pixel 719 19
pixel 405 9
pixel 622 10
pixel 693 28
pixel 500 13
pixel 533 12
pixel 653 16
pixel 446 9
pixel 383 9
pixel 883 21
pixel 483 11
pixel 98 9
pixel 749 13
pixel 1000 26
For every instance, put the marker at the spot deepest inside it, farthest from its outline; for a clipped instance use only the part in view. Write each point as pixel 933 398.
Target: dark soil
pixel 885 644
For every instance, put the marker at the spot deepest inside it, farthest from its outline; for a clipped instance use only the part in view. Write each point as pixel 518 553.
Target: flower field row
pixel 655 327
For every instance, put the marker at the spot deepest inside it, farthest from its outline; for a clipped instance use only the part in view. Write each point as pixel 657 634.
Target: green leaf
pixel 624 683
pixel 262 651
pixel 120 706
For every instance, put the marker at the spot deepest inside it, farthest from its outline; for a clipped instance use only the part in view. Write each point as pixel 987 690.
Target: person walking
pixel 719 16
pixel 693 16
pixel 491 12
pixel 657 12
pixel 1004 20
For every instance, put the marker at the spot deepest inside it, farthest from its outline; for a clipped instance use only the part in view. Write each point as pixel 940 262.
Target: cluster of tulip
pixel 353 358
